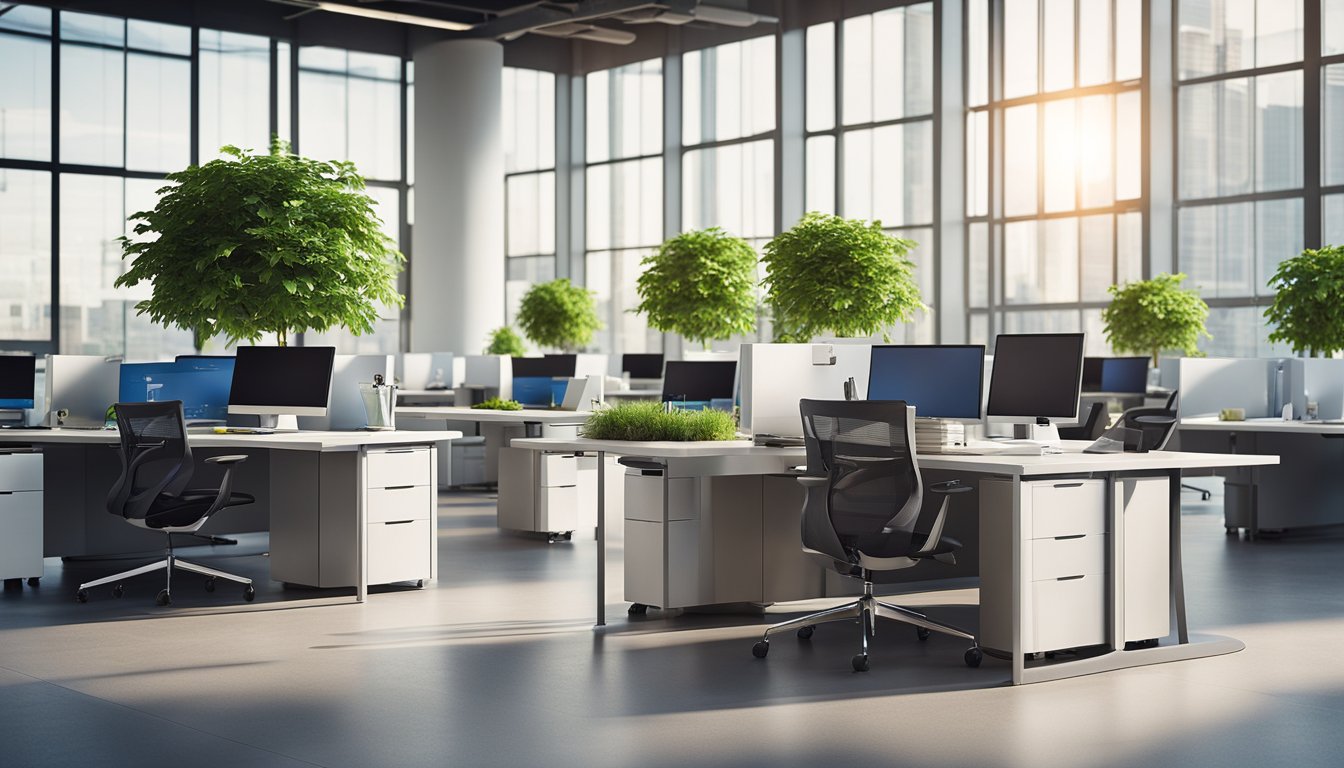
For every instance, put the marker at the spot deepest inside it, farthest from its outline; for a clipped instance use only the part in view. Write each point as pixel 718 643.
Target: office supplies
pixel 1036 378
pixel 940 381
pixel 380 403
pixel 201 383
pixel 698 382
pixel 82 386
pixel 646 366
pixel 276 381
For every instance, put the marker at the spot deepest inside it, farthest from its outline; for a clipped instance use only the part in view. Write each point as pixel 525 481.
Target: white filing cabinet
pixel 400 507
pixel 553 493
pixel 1063 566
pixel 20 515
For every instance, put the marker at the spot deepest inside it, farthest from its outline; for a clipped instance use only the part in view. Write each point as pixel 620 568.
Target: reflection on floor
pixel 497 664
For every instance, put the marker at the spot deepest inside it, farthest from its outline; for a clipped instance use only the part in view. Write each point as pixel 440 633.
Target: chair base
pixel 168 564
pixel 867 609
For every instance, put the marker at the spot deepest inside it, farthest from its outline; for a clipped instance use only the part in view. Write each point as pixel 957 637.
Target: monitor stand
pixel 1041 432
pixel 288 422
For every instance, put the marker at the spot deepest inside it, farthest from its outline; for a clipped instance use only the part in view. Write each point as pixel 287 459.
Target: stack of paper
pixel 932 435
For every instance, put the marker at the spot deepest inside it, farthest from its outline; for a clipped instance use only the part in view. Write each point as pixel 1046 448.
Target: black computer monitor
pixel 643 365
pixel 1036 376
pixel 529 367
pixel 699 381
pixel 1126 375
pixel 274 381
pixel 943 381
pixel 1092 373
pixel 18 381
pixel 563 365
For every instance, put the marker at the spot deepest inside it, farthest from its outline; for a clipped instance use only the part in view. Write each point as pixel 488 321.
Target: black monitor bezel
pixel 980 380
pixel 1078 378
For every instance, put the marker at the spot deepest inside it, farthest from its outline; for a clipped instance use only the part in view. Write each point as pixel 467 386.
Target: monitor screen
pixel 941 381
pixel 201 383
pixel 18 381
pixel 528 367
pixel 1036 375
pixel 535 391
pixel 282 380
pixel 643 366
pixel 699 381
pixel 1092 373
pixel 1128 375
pixel 563 365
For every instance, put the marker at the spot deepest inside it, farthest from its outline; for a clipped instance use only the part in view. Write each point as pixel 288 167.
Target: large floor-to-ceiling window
pixel 529 182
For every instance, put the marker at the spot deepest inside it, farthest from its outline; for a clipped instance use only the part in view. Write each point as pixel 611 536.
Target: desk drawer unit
pixel 21 532
pixel 399 509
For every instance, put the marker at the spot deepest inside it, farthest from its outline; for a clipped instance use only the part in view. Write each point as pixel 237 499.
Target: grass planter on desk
pixel 498 404
pixel 648 422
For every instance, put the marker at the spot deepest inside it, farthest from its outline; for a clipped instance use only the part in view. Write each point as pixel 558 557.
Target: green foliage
pixel 646 421
pixel 840 276
pixel 559 314
pixel 504 341
pixel 700 284
pixel 498 404
pixel 251 244
pixel 1308 308
pixel 1148 316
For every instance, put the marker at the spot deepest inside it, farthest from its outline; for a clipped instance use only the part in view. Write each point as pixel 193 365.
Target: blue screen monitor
pixel 942 381
pixel 534 391
pixel 18 381
pixel 1127 375
pixel 201 383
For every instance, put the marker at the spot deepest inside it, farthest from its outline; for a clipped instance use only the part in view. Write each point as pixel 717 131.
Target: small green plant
pixel 263 243
pixel 559 315
pixel 840 276
pixel 498 404
pixel 505 341
pixel 1148 316
pixel 700 284
pixel 647 421
pixel 1308 308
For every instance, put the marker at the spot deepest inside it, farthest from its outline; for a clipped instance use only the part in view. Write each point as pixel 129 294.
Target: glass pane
pixel 1095 154
pixel 158 113
pixel 26 18
pixel 92 218
pixel 819 192
pixel 1215 143
pixel 92 106
pixel 625 111
pixel 889 174
pixel 977 54
pixel 1058 45
pixel 374 119
pixel 1278 124
pixel 1128 41
pixel 1020 48
pixel 887 65
pixel 820 92
pixel 729 91
pixel 1332 125
pixel 1040 261
pixel 1278 236
pixel 1236 331
pixel 374 65
pixel 1332 33
pixel 160 38
pixel 1019 160
pixel 1128 247
pixel 1053 321
pixel 1216 244
pixel 25 242
pixel 1128 146
pixel 235 92
pixel 25 97
pixel 529 119
pixel 531 214
pixel 919 58
pixel 977 267
pixel 89 28
pixel 1097 250
pixel 625 204
pixel 977 163
pixel 858 70
pixel 1278 32
pixel 522 274
pixel 350 109
pixel 1061 171
pixel 1332 220
pixel 1215 37
pixel 612 275
pixel 730 187
pixel 1094 43
pixel 323 133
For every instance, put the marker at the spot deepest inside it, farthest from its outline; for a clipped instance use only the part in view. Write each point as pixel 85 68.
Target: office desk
pixel 633 394
pixel 1006 544
pixel 499 427
pixel 426 397
pixel 1306 489
pixel 318 486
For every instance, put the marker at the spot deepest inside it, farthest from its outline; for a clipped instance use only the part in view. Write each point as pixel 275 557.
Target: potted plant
pixel 559 315
pixel 701 285
pixel 263 243
pixel 505 341
pixel 1308 308
pixel 845 277
pixel 1148 316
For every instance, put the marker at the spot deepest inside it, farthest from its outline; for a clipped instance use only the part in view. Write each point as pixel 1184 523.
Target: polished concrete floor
pixel 497 664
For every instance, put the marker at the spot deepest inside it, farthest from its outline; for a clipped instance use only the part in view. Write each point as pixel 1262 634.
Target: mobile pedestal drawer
pixel 400 515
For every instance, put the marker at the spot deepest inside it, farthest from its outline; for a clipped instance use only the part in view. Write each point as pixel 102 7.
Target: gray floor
pixel 497 664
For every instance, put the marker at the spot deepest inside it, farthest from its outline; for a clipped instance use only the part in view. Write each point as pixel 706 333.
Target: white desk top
pixel 1272 424
pixel 1073 461
pixel 293 441
pixel 458 413
pixel 632 393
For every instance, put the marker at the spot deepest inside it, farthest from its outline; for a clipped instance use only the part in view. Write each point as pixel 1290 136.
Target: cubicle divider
pixel 1209 384
pixel 774 377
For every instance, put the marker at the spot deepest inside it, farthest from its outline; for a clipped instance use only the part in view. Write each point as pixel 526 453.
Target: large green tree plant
pixel 846 277
pixel 263 243
pixel 1308 308
pixel 1148 316
pixel 559 314
pixel 700 284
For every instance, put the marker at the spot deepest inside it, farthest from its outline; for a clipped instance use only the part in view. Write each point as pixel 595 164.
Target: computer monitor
pixel 201 382
pixel 1126 375
pixel 1092 373
pixel 643 365
pixel 277 381
pixel 1036 377
pixel 18 382
pixel 529 367
pixel 699 381
pixel 941 381
pixel 563 365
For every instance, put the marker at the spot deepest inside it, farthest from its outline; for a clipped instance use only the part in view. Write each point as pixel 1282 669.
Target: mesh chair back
pixel 865 450
pixel 155 456
pixel 1157 424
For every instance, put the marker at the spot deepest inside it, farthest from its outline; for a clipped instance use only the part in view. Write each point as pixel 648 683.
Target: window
pixel 529 182
pixel 234 90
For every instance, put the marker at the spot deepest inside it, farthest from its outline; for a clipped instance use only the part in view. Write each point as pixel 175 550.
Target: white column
pixel 457 246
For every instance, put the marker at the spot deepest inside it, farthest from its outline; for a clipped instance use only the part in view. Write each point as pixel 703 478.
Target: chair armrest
pixel 951 486
pixel 234 459
pixel 808 481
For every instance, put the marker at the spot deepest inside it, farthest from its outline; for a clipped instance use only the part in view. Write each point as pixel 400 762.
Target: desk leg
pixel 601 538
pixel 1017 647
pixel 361 524
pixel 1177 575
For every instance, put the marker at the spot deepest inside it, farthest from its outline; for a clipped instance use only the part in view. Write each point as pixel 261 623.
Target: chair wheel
pixel 859 662
pixel 638 609
pixel 420 583
pixel 210 584
pixel 250 593
pixel 82 595
pixel 163 598
pixel 973 657
pixel 921 633
pixel 118 590
pixel 760 649
pixel 805 632
pixel 33 581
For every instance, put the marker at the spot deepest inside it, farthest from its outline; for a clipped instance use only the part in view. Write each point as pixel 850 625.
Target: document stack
pixel 936 435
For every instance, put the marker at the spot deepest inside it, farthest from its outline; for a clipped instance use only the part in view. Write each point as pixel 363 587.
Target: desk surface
pixel 1272 424
pixel 294 441
pixel 459 413
pixel 1071 462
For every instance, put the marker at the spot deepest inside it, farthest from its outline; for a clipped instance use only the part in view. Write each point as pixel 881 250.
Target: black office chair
pixel 152 491
pixel 864 496
pixel 1092 426
pixel 1157 425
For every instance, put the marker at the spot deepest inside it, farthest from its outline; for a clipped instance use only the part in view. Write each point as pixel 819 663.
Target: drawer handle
pixel 401 450
pixel 6 493
pixel 1069 578
pixel 1072 536
pixel 407 522
pixel 397 487
pixel 1069 485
